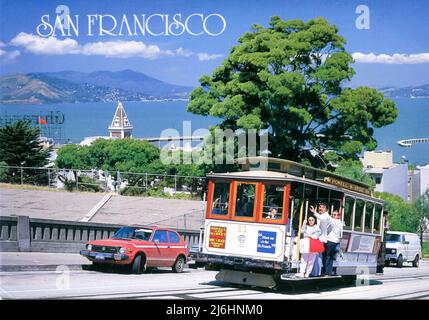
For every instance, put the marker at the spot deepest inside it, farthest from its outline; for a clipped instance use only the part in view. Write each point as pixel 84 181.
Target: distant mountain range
pixel 99 86
pixel 407 92
pixel 107 86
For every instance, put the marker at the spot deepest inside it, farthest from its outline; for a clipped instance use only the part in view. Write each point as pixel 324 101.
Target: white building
pixel 389 177
pixel 120 127
pixel 418 181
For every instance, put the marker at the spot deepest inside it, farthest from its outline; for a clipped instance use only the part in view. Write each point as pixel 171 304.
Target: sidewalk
pixel 40 261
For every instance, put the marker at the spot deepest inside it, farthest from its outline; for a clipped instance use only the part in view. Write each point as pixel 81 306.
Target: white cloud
pixel 202 56
pixel 45 46
pixel 397 58
pixel 122 49
pixel 113 49
pixel 183 52
pixel 13 54
pixel 8 54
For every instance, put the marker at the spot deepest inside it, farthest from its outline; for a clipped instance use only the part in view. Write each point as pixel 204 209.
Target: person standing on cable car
pixel 324 218
pixel 333 241
pixel 309 230
pixel 331 235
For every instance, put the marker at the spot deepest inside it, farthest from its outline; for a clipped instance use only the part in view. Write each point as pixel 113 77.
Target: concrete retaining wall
pixel 24 234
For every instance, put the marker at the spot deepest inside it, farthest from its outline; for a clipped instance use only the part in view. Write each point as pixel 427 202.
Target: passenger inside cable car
pixel 272 214
pixel 245 200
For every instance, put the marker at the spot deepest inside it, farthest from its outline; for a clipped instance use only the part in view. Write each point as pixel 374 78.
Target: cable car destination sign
pixel 347 185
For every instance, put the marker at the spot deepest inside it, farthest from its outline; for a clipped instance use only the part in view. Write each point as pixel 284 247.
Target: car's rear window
pixel 174 237
pixel 160 236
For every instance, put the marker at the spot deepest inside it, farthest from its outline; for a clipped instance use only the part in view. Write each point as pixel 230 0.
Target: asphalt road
pixel 405 283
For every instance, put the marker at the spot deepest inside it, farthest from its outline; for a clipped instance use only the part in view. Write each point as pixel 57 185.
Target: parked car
pixel 140 247
pixel 402 247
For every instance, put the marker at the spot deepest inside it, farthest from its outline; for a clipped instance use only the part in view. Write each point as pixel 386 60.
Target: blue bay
pixel 151 118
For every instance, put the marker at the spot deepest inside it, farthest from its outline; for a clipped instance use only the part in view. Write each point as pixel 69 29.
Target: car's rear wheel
pixel 416 261
pixel 139 265
pixel 179 265
pixel 400 261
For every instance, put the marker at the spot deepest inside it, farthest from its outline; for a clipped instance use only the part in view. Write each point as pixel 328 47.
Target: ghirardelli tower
pixel 120 127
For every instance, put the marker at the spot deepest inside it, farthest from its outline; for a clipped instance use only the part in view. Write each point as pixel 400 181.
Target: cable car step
pixel 294 277
pixel 246 278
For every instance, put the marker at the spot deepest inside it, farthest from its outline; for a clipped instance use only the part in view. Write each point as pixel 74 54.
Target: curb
pixel 44 267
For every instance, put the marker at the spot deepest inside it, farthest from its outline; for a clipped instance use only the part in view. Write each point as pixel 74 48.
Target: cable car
pixel 253 219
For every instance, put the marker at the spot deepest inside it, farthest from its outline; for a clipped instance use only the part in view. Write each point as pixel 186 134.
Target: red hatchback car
pixel 140 247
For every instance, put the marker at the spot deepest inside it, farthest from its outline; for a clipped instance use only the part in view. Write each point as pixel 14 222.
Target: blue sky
pixel 396 27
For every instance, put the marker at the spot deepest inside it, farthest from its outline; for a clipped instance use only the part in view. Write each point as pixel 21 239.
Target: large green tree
pixel 20 146
pixel 420 211
pixel 130 155
pixel 132 158
pixel 400 214
pixel 353 169
pixel 289 78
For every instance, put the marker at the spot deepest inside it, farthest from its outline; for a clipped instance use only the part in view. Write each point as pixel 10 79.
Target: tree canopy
pixel 353 169
pixel 288 78
pixel 128 155
pixel 400 215
pixel 20 146
pixel 406 217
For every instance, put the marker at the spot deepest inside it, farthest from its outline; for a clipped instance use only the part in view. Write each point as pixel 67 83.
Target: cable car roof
pixel 275 169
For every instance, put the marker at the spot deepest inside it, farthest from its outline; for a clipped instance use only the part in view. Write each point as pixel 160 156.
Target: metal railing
pixel 23 233
pixel 97 180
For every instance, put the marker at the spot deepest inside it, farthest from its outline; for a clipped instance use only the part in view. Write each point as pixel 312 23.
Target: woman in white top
pixel 331 228
pixel 309 230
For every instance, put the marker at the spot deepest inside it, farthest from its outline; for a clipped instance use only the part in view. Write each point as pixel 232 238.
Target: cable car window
pixel 348 213
pixel 377 218
pixel 245 201
pixel 368 216
pixel 323 197
pixel 360 206
pixel 220 198
pixel 273 202
pixel 295 198
pixel 335 200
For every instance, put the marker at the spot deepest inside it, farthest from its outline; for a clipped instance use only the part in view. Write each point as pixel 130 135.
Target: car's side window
pixel 174 237
pixel 160 236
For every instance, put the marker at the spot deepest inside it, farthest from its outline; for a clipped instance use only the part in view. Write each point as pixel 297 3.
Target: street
pixel 405 283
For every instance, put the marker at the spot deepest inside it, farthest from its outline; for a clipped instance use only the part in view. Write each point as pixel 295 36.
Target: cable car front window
pixel 273 202
pixel 245 201
pixel 220 198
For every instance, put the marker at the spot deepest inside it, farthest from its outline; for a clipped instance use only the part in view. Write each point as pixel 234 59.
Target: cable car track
pixel 400 278
pixel 242 291
pixel 394 284
pixel 425 293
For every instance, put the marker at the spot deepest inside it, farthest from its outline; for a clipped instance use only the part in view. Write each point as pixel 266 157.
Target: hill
pixel 406 92
pixel 77 87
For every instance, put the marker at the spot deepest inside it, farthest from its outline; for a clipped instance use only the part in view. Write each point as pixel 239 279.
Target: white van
pixel 402 247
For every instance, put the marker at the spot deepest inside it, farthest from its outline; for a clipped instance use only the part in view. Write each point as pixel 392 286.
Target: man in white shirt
pixel 331 234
